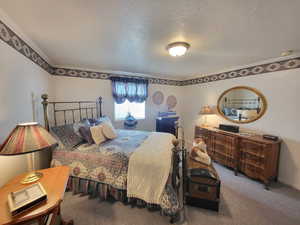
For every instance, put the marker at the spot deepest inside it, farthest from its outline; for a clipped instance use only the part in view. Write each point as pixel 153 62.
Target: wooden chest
pixel 203 185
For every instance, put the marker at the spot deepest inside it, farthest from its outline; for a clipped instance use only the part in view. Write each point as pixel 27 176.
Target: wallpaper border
pixel 12 39
pixel 99 75
pixel 16 42
pixel 260 69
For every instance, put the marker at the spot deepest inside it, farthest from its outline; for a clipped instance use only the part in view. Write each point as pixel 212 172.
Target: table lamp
pixel 28 138
pixel 206 110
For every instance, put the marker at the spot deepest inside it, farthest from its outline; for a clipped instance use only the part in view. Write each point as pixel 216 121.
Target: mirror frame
pixel 264 101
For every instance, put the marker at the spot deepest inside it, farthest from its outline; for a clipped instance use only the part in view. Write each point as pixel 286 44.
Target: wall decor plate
pixel 158 98
pixel 171 101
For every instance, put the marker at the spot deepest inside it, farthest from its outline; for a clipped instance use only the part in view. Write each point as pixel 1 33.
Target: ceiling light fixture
pixel 178 48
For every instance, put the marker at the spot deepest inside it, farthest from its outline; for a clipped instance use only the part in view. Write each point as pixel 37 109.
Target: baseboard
pixel 288 185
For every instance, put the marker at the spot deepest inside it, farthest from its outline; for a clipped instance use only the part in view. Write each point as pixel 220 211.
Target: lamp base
pixel 31 177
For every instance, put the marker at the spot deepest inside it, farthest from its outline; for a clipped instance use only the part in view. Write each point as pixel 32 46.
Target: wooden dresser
pixel 252 155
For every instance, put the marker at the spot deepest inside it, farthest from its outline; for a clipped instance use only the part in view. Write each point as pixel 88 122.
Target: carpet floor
pixel 243 202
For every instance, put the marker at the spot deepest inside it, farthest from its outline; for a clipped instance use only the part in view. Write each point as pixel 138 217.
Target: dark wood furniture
pixel 252 155
pixel 166 124
pixel 202 191
pixel 54 182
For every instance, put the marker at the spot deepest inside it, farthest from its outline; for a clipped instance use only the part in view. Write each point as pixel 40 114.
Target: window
pixel 137 110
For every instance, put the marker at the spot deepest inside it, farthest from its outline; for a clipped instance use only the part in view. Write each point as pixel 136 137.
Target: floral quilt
pixel 107 163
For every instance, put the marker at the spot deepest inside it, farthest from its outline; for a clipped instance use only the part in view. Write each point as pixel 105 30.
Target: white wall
pixel 69 88
pixel 19 80
pixel 281 90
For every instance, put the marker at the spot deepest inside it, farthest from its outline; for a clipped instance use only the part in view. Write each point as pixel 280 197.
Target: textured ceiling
pixel 131 35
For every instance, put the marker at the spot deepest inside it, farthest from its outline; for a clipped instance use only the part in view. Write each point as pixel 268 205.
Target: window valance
pixel 132 89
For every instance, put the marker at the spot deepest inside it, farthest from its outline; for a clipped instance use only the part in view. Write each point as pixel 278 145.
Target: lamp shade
pixel 26 138
pixel 206 110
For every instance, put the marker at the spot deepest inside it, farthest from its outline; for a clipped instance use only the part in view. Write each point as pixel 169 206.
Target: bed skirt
pixel 106 192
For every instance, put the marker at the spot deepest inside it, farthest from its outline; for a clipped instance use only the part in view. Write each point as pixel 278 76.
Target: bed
pixel 109 171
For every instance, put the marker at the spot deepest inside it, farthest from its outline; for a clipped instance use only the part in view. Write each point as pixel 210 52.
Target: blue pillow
pixel 82 123
pixel 67 135
pixel 102 120
pixel 227 111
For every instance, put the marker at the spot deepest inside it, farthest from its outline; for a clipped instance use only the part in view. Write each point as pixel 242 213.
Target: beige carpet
pixel 243 202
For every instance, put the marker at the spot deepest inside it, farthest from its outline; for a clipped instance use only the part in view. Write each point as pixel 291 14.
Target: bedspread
pixel 108 163
pixel 149 168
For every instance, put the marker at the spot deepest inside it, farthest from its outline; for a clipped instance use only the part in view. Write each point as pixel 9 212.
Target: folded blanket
pixel 149 168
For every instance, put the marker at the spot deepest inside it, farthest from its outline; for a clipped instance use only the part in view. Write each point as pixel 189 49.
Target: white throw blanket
pixel 149 168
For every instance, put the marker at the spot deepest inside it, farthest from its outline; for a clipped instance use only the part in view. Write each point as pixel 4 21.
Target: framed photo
pixel 26 198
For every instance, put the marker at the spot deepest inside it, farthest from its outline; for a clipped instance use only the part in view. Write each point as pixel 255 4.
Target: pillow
pixel 102 120
pixel 67 135
pixel 108 130
pixel 97 134
pixel 82 123
pixel 227 111
pixel 92 122
pixel 249 114
pixel 233 112
pixel 86 134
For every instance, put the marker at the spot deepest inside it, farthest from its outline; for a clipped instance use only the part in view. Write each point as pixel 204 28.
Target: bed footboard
pixel 179 155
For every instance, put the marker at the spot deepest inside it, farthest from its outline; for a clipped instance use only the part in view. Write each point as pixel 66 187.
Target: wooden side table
pixel 54 181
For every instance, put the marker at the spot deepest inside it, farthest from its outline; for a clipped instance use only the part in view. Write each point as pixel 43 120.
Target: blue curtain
pixel 132 89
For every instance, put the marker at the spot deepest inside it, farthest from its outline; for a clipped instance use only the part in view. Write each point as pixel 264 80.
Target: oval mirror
pixel 242 104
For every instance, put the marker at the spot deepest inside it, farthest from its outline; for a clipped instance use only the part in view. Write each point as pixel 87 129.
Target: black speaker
pixel 230 128
pixel 270 137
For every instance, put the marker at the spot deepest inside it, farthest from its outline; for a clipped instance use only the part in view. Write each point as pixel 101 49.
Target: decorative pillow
pixel 86 134
pixel 249 114
pixel 97 134
pixel 234 112
pixel 228 111
pixel 102 120
pixel 82 123
pixel 108 130
pixel 67 135
pixel 92 122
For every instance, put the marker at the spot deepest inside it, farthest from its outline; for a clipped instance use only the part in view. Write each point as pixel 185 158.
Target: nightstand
pixel 54 182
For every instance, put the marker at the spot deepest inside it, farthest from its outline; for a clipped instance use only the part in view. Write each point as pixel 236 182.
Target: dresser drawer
pixel 252 147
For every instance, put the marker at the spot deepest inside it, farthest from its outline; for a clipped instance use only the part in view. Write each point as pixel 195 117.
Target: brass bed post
pixel 99 108
pixel 177 175
pixel 45 107
pixel 79 107
pixel 183 155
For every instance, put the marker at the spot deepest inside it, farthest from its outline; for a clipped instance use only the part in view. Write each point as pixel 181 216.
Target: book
pixel 26 198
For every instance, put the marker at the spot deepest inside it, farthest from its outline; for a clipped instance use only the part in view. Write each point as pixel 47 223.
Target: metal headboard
pixel 249 103
pixel 82 107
